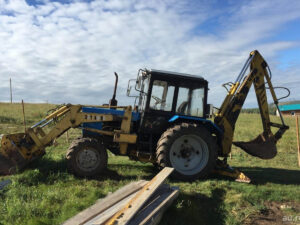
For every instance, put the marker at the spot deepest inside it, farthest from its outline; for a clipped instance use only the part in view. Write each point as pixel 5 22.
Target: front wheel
pixel 189 149
pixel 86 157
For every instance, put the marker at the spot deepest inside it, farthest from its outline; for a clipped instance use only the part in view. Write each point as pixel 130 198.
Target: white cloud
pixel 68 52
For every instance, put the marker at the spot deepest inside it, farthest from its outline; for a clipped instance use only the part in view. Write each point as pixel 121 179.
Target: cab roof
pixel 174 75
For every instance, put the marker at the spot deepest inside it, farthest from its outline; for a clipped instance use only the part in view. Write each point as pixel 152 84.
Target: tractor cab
pixel 170 93
pixel 165 97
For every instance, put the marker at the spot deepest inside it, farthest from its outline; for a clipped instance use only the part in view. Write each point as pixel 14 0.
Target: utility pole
pixel 10 91
pixel 298 142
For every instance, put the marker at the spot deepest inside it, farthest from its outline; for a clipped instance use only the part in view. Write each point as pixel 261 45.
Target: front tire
pixel 189 149
pixel 86 157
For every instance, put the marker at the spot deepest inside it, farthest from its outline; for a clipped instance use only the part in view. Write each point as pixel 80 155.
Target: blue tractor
pixel 169 126
pixel 170 120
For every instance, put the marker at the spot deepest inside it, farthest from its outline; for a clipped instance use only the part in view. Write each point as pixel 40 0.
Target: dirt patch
pixel 279 213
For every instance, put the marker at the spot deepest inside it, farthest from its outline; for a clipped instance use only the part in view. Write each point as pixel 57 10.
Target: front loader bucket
pixel 7 166
pixel 263 146
pixel 11 159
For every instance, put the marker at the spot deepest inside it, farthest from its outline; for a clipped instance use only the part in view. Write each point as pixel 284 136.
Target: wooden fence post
pixel 24 121
pixel 298 144
pixel 67 136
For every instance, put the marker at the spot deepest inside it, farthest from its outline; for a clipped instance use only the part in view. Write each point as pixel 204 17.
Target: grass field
pixel 46 194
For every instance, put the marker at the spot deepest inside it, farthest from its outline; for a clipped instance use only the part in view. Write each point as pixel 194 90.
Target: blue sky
pixel 67 51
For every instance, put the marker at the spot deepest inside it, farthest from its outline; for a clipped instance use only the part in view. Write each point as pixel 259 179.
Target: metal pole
pixel 298 144
pixel 24 121
pixel 10 90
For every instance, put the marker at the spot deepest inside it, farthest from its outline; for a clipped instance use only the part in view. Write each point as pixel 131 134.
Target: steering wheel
pixel 157 99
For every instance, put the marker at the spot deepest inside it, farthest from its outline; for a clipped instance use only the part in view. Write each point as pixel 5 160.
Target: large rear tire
pixel 86 157
pixel 189 149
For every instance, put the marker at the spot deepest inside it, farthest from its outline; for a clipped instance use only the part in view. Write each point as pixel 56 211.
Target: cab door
pixel 159 109
pixel 160 106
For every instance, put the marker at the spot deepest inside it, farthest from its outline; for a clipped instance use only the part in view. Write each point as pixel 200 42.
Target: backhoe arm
pixel 264 145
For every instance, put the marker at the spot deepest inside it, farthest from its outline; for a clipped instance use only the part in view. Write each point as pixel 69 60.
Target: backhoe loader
pixel 168 126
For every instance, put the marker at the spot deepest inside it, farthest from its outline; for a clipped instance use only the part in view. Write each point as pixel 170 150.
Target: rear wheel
pixel 189 149
pixel 86 157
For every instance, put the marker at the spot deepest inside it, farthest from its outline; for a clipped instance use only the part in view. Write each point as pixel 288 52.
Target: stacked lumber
pixel 140 202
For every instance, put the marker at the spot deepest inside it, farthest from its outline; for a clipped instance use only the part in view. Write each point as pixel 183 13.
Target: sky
pixel 67 51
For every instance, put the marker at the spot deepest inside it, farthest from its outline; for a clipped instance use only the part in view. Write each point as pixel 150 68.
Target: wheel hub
pixel 189 154
pixel 186 150
pixel 88 159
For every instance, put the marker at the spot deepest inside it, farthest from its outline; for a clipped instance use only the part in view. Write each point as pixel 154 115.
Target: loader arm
pixel 17 150
pixel 264 146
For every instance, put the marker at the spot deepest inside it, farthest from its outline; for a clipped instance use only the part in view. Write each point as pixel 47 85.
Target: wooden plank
pixel 153 212
pixel 124 215
pixel 107 214
pixel 155 216
pixel 104 204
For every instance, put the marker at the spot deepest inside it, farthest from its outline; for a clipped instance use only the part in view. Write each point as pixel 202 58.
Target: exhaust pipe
pixel 113 101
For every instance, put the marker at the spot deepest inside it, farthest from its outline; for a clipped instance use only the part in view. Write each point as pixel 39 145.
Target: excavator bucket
pixel 11 158
pixel 263 146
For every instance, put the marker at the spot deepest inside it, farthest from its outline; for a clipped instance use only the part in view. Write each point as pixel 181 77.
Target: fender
pixel 213 128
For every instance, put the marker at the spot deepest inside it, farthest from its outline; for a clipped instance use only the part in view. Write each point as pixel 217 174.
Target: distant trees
pixel 272 107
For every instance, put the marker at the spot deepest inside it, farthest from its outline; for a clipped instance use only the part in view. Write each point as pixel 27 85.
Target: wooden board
pixel 107 214
pixel 124 215
pixel 153 211
pixel 104 204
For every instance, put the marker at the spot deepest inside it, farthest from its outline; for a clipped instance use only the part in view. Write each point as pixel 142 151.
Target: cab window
pixel 162 96
pixel 190 101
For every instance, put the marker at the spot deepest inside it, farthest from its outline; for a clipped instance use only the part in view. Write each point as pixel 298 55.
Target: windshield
pixel 162 96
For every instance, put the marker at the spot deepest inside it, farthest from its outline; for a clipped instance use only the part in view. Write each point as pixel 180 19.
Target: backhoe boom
pixel 264 145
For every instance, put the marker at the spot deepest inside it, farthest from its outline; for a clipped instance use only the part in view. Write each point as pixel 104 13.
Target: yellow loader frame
pixel 66 117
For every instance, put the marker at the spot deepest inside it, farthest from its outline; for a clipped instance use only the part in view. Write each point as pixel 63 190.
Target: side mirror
pixel 129 90
pixel 131 83
pixel 139 82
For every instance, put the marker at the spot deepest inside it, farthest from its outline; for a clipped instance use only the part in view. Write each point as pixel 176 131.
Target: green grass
pixel 46 194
